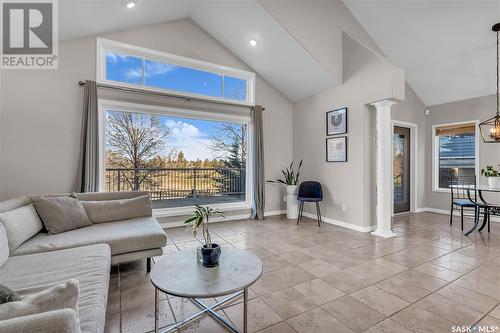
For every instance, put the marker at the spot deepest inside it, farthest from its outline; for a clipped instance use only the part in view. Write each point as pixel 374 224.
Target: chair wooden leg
pixel 462 217
pixel 148 265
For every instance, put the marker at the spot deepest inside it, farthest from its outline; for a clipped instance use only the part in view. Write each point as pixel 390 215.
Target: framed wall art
pixel 336 122
pixel 336 149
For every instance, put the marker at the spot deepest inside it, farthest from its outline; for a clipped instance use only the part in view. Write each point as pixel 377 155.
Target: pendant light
pixel 490 128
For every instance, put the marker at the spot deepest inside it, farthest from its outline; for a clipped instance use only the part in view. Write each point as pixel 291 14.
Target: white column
pixel 384 169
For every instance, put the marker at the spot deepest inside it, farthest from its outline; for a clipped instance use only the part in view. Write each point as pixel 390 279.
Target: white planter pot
pixel 291 189
pixel 494 182
pixel 292 207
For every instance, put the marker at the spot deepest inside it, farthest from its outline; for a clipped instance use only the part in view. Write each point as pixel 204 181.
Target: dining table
pixel 479 201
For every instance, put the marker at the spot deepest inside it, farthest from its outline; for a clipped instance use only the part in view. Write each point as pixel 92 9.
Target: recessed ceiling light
pixel 130 3
pixel 253 42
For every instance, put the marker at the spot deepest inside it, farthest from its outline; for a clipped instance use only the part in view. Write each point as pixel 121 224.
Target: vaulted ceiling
pixel 232 23
pixel 447 48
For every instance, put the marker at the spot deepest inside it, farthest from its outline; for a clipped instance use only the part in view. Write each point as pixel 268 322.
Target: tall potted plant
pixel 209 251
pixel 290 178
pixel 493 176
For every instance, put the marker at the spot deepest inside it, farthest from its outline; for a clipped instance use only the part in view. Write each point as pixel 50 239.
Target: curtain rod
pixel 157 93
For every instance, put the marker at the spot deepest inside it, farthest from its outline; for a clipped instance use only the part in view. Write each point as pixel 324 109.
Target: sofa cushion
pixel 4 246
pixel 60 321
pixel 8 295
pixel 90 265
pixel 115 210
pixel 61 213
pixel 20 224
pixel 142 233
pixel 14 203
pixel 60 296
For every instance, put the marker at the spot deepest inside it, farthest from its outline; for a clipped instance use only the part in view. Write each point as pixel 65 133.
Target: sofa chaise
pixel 84 254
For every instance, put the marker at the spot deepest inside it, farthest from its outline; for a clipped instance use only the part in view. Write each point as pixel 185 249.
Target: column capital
pixel 384 103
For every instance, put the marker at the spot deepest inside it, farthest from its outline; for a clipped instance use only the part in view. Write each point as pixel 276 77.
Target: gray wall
pixel 412 110
pixel 40 128
pixel 480 109
pixel 1 121
pixel 319 26
pixel 353 183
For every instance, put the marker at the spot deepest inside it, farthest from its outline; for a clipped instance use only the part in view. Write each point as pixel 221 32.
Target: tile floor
pixel 332 279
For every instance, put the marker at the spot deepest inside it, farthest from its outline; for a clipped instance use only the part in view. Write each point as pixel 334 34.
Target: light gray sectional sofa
pixel 84 254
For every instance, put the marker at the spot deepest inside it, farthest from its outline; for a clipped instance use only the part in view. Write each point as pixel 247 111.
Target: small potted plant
pixel 209 251
pixel 290 178
pixel 493 176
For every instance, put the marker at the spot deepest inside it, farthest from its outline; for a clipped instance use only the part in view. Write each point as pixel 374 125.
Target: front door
pixel 401 167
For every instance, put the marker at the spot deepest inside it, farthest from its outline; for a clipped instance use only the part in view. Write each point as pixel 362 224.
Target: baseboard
pixel 341 223
pixel 175 224
pixel 447 212
pixel 275 212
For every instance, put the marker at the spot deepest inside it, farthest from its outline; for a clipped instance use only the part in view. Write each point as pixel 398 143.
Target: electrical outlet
pixel 284 198
pixel 344 208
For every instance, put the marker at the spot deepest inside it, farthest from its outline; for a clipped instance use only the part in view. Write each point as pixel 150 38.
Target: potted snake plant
pixel 210 251
pixel 493 176
pixel 290 178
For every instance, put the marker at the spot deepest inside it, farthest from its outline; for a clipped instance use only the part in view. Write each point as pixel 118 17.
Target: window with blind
pixel 455 153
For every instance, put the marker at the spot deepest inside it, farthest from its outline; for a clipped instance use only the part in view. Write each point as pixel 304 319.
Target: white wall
pixel 40 131
pixel 480 108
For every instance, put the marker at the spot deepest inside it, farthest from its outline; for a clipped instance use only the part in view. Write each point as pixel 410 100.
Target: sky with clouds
pixel 191 136
pixel 136 70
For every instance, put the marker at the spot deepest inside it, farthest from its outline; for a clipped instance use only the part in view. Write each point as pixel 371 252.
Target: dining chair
pixel 310 191
pixel 459 197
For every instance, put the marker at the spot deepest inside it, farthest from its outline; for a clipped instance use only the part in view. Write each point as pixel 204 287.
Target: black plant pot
pixel 210 256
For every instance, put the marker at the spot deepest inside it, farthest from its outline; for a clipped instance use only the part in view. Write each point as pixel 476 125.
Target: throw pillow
pixel 4 246
pixel 61 296
pixel 20 224
pixel 8 295
pixel 61 214
pixel 115 210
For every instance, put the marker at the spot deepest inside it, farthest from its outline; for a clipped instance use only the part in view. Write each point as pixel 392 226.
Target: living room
pixel 249 166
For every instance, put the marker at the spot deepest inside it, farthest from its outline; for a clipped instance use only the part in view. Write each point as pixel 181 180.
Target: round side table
pixel 180 274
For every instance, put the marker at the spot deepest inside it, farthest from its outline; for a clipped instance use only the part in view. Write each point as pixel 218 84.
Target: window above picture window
pixel 132 66
pixel 455 153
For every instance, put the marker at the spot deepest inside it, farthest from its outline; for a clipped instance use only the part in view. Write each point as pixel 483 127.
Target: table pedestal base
pixel 205 310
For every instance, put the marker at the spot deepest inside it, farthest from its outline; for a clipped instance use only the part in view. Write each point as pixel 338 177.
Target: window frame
pixel 435 153
pixel 113 105
pixel 104 45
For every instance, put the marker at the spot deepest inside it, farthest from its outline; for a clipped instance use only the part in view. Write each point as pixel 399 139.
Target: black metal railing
pixel 398 188
pixel 174 183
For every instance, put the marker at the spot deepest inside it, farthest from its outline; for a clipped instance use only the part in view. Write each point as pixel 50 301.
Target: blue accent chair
pixel 310 191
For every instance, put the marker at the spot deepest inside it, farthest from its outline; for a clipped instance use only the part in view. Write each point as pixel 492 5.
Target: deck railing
pixel 398 188
pixel 174 183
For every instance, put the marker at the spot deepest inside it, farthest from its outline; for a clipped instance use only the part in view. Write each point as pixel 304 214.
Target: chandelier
pixel 490 128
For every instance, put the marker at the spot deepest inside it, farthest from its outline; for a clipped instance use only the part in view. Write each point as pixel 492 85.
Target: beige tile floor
pixel 332 279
